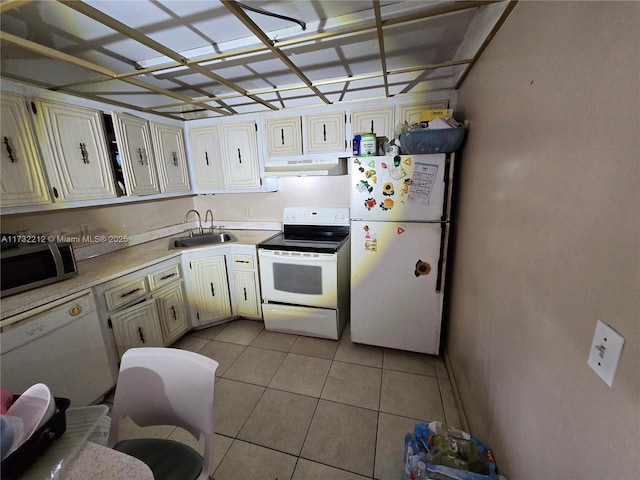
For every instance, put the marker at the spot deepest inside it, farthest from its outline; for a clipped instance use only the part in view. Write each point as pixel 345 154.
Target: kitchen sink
pixel 201 240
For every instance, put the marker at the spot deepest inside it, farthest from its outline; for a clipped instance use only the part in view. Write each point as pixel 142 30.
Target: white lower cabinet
pixel 222 282
pixel 207 286
pixel 172 312
pixel 246 300
pixel 246 296
pixel 145 308
pixel 137 326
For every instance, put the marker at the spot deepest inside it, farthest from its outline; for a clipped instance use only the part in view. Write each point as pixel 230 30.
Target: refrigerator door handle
pixel 443 235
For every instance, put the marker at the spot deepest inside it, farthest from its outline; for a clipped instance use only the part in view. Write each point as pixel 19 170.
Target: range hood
pixel 305 167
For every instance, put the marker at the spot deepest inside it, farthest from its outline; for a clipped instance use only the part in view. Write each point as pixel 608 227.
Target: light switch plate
pixel 605 352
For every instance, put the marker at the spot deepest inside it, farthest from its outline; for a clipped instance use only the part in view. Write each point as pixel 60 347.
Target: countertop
pixel 100 269
pixel 101 463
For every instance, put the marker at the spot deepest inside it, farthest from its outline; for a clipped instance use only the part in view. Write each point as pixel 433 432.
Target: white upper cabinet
pixel 326 133
pixel 21 174
pixel 171 159
pixel 284 136
pixel 77 153
pixel 206 160
pixel 373 120
pixel 239 149
pixel 135 146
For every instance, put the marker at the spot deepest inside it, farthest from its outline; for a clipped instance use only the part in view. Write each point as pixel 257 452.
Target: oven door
pixel 299 278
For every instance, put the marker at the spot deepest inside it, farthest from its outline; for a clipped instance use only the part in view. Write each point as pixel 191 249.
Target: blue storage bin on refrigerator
pixel 444 140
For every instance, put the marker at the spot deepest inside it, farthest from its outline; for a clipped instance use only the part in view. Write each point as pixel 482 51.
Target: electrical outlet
pixel 605 352
pixel 84 229
pixel 246 211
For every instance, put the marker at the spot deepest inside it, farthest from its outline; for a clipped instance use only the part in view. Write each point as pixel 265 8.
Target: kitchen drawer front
pixel 243 261
pixel 126 293
pixel 164 277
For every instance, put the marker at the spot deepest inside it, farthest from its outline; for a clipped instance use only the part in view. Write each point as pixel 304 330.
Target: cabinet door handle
pixel 324 131
pixel 213 291
pixel 141 335
pixel 83 152
pixel 206 158
pixel 9 150
pixel 130 292
pixel 164 277
pixel 372 129
pixel 173 312
pixel 245 293
pixel 175 158
pixel 239 156
pixel 141 159
pixel 282 135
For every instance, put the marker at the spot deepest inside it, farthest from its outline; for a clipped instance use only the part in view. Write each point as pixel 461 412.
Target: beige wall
pixel 125 219
pixel 330 191
pixel 133 218
pixel 548 241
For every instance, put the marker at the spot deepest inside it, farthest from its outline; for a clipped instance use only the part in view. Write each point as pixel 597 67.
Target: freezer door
pixel 401 188
pixel 394 270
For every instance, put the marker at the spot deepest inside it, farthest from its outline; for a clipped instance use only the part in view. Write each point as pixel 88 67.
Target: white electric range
pixel 305 273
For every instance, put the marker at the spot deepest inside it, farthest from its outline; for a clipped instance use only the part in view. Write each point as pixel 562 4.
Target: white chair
pixel 166 386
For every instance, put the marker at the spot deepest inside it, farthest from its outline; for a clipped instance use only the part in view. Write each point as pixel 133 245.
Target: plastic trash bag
pixel 437 451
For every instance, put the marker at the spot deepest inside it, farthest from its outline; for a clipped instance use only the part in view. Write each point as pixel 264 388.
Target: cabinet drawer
pixel 125 293
pixel 241 260
pixel 164 277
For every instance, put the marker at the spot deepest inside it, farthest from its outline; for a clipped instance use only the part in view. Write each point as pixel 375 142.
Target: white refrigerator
pixel 399 231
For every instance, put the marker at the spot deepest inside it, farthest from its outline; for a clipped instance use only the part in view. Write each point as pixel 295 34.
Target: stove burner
pixel 308 238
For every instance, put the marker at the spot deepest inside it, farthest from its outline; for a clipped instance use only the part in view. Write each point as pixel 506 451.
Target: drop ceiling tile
pixel 340 41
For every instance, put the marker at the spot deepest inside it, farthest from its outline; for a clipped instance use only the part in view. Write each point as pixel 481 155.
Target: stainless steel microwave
pixel 28 266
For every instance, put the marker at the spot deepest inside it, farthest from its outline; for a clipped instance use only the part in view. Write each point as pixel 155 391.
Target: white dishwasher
pixel 59 344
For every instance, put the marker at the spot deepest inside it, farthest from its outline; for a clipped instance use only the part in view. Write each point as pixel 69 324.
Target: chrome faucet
pixel 212 227
pixel 186 217
pixel 206 216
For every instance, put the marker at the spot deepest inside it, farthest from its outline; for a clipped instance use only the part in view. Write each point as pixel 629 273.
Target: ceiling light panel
pixel 43 21
pixel 402 48
pixel 56 26
pixel 337 51
pixel 115 90
pixel 24 64
pixel 178 24
pixel 227 65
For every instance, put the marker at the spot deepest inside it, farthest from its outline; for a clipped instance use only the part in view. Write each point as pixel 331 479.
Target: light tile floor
pixel 290 407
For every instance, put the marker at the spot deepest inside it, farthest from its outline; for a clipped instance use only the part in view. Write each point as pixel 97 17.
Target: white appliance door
pixel 394 270
pixel 299 278
pixel 316 322
pixel 61 347
pixel 401 188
